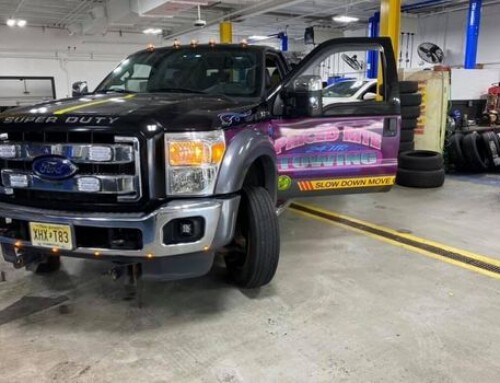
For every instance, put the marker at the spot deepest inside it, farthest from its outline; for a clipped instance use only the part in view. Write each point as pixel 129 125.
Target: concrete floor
pixel 344 307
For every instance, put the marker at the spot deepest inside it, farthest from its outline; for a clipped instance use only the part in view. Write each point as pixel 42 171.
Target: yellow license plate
pixel 51 235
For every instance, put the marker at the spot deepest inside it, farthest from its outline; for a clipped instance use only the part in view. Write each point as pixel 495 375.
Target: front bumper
pixel 219 215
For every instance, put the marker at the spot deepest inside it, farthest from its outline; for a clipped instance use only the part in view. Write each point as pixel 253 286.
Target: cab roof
pixel 258 48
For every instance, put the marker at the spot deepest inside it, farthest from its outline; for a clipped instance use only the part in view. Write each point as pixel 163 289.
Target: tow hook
pixel 133 284
pixel 19 258
pixel 116 272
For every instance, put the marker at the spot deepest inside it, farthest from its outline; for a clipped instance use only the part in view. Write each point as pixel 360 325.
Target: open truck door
pixel 339 148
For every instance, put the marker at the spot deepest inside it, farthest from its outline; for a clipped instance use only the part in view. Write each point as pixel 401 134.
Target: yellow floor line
pixel 482 258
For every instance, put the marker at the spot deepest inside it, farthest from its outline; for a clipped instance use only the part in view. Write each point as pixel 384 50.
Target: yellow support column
pixel 390 21
pixel 390 26
pixel 226 32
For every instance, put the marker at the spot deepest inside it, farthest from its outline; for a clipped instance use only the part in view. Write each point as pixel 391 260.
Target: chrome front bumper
pixel 219 214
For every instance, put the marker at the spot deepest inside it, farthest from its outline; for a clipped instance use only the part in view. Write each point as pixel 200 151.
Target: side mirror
pixel 79 88
pixel 304 97
pixel 369 96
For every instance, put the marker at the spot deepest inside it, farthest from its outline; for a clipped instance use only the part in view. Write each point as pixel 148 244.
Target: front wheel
pixel 253 258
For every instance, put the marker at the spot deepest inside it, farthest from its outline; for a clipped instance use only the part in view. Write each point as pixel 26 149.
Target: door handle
pixel 390 127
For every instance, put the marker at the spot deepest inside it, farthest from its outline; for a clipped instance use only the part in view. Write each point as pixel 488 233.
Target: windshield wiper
pixel 115 91
pixel 177 90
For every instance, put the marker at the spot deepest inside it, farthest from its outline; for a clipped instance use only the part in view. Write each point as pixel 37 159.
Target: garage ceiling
pixel 176 17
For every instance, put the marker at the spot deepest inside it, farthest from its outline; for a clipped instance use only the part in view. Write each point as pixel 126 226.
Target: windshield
pixel 222 70
pixel 343 88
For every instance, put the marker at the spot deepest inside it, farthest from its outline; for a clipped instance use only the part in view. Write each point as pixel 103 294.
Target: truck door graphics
pixel 332 153
pixel 346 183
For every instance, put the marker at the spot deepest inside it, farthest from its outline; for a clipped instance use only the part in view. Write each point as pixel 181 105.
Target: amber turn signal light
pixel 195 153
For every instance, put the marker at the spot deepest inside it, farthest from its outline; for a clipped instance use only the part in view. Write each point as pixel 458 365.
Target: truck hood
pixel 170 111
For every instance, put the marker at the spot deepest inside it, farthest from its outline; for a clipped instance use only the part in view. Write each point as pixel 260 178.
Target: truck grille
pixel 105 168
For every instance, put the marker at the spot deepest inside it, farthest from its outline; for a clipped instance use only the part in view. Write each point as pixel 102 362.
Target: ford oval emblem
pixel 54 168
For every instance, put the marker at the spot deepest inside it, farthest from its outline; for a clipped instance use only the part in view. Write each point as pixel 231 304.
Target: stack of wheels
pixel 420 169
pixel 474 151
pixel 410 112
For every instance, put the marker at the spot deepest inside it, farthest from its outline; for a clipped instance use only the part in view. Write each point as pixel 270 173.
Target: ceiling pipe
pixel 289 21
pixel 286 21
pixel 424 4
pixel 240 13
pixel 460 8
pixel 72 13
pixel 19 6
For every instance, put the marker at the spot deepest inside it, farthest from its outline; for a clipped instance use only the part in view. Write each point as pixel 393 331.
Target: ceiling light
pixel 345 19
pixel 11 22
pixel 152 31
pixel 258 38
pixel 21 23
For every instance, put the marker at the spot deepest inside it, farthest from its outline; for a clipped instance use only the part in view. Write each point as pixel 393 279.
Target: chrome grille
pixel 108 166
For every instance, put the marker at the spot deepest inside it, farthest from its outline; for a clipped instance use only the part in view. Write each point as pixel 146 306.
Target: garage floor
pixel 344 306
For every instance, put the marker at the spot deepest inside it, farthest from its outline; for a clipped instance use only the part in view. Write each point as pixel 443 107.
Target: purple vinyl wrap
pixel 329 148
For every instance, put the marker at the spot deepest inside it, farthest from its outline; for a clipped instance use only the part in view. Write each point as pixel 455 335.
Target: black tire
pixel 411 99
pixel 406 146
pixel 492 145
pixel 408 112
pixel 475 152
pixel 408 87
pixel 421 160
pixel 254 259
pixel 457 156
pixel 407 135
pixel 407 124
pixel 420 178
pixel 50 265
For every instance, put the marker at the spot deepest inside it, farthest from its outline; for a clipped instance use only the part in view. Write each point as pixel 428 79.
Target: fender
pixel 246 147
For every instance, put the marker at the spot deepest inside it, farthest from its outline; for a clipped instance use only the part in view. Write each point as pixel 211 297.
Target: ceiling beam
pixel 258 8
pixel 145 6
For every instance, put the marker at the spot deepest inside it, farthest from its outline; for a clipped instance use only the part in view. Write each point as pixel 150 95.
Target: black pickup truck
pixel 185 152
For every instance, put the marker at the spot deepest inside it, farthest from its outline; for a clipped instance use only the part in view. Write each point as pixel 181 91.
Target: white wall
pixel 51 52
pixel 472 84
pixel 448 31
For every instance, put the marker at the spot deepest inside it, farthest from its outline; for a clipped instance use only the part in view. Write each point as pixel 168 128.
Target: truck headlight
pixel 193 161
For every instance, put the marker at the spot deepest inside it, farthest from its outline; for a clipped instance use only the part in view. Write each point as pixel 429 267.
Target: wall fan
pixel 353 61
pixel 430 53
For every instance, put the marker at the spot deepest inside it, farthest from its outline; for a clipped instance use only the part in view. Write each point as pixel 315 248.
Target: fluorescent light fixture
pixel 258 37
pixel 152 31
pixel 13 22
pixel 345 19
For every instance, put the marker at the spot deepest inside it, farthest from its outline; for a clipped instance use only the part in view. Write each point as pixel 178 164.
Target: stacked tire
pixel 410 112
pixel 474 151
pixel 420 169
